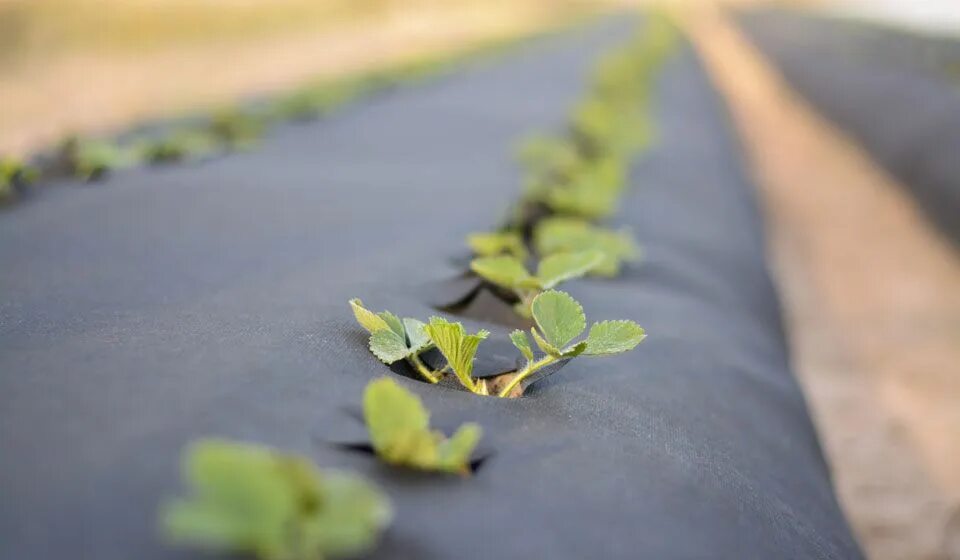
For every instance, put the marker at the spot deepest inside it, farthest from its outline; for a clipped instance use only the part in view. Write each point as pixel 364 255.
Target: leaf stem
pixel 527 371
pixel 422 369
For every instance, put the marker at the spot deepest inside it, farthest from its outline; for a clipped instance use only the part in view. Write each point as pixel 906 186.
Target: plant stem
pixel 528 370
pixel 422 369
pixel 468 383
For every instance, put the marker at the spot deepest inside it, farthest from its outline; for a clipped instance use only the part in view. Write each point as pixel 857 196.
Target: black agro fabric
pixel 897 93
pixel 211 300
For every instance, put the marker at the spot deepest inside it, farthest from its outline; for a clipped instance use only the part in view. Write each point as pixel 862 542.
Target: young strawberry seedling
pixel 498 243
pixel 254 500
pixel 559 320
pixel 13 174
pixel 89 160
pixel 560 235
pixel 393 339
pixel 176 146
pixel 234 129
pixel 400 433
pixel 509 272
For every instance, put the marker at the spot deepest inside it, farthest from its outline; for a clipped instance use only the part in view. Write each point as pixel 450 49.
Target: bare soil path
pixel 873 303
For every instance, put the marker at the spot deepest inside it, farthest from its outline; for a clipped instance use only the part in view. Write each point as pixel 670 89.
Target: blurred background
pixel 871 286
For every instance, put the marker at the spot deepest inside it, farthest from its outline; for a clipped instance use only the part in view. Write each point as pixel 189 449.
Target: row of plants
pixel 246 498
pixel 251 499
pixel 572 181
pixel 227 130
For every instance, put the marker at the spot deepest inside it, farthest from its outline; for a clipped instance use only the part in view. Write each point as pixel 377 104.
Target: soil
pixel 873 306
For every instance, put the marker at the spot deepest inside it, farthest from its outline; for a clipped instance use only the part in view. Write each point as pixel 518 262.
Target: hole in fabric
pixel 468 296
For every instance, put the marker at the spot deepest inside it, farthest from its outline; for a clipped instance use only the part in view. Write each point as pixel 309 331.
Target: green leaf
pixel 564 266
pixel 391 338
pixel 574 350
pixel 241 500
pixel 251 499
pixel 559 317
pixel 612 337
pixel 394 322
pixel 545 346
pixel 503 270
pixel 417 337
pixel 353 514
pixel 456 345
pixel 493 244
pixel 520 340
pixel 388 346
pixel 582 199
pixel 565 234
pixel 454 453
pixel 367 319
pixel 392 413
pixel 400 433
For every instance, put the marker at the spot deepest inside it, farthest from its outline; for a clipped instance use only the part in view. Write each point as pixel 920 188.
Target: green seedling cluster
pixel 14 173
pixel 575 179
pixel 400 433
pixel 508 271
pixel 558 319
pixel 89 159
pixel 254 500
pixel 239 127
pixel 559 235
pixel 187 144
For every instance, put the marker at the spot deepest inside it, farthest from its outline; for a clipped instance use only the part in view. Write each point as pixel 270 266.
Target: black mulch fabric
pixel 897 93
pixel 210 300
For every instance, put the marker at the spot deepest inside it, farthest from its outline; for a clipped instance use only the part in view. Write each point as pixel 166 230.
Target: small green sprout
pixel 510 273
pixel 559 320
pixel 459 349
pixel 393 339
pixel 237 130
pixel 252 499
pixel 497 243
pixel 91 159
pixel 400 431
pixel 177 146
pixel 315 100
pixel 13 173
pixel 561 234
pixel 592 193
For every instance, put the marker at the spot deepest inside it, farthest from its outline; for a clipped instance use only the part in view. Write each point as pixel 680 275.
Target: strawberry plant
pixel 562 234
pixel 498 243
pixel 254 500
pixel 89 159
pixel 393 339
pixel 235 129
pixel 400 433
pixel 14 173
pixel 176 146
pixel 508 272
pixel 559 320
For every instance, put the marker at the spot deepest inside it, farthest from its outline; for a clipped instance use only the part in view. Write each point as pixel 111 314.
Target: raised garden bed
pixel 896 92
pixel 180 303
